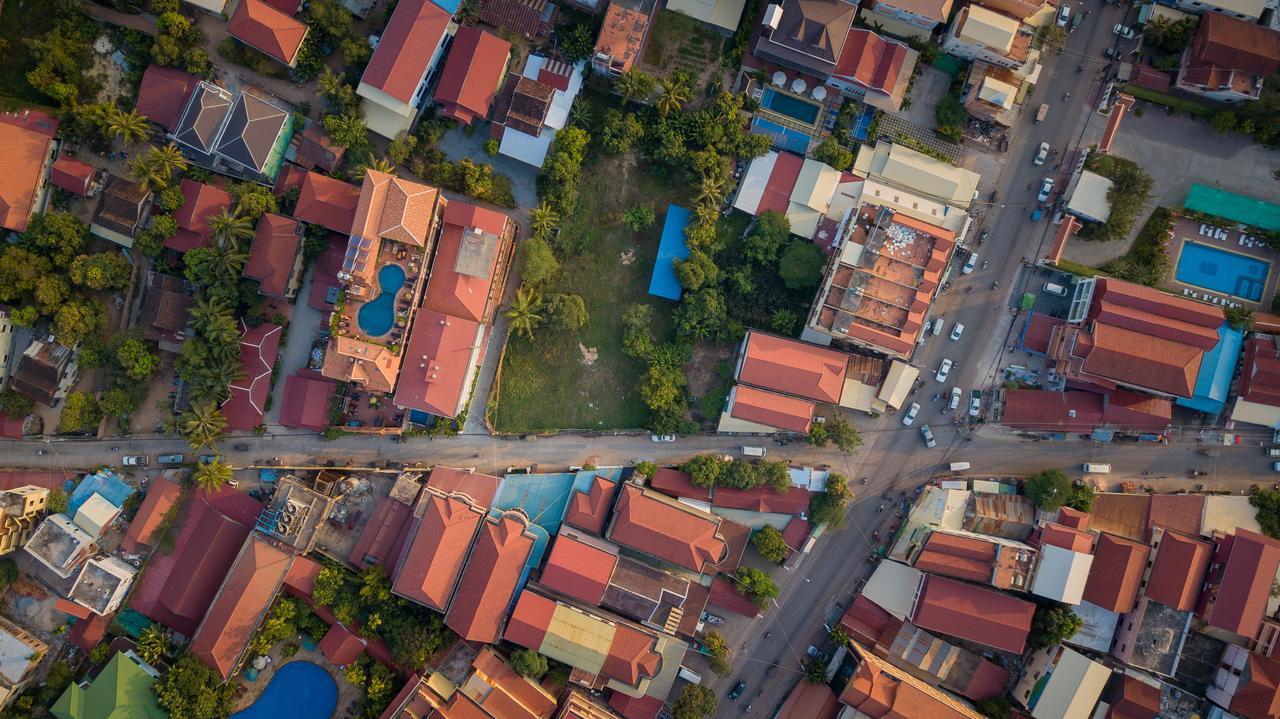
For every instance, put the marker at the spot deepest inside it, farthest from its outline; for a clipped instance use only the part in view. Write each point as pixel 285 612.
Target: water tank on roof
pixel 773 16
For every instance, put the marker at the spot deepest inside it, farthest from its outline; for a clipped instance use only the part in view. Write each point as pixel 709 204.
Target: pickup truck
pixel 134 460
pixel 169 459
pixel 1042 113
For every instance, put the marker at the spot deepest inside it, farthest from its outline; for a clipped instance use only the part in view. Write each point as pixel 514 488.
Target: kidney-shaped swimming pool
pixel 298 690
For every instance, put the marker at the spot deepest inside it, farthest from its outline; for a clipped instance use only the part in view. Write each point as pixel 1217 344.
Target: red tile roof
pixel 1260 373
pixel 793 367
pixel 631 656
pixel 988 681
pixel 871 61
pixel 645 707
pixel 1260 697
pixel 162 495
pixel 868 622
pixel 530 620
pixel 405 49
pixel 315 150
pixel 73 175
pixel 1116 573
pixel 481 488
pixel 163 94
pixel 340 646
pixel 475 67
pixel 88 633
pixel 439 356
pixel 1057 535
pixel 664 528
pixel 384 535
pixel 241 603
pixel 763 499
pixel 300 581
pixel 725 596
pixel 11 427
pixel 307 398
pixel 489 582
pixel 669 480
pixel 1134 699
pixel 809 701
pixel 796 533
pixel 1122 408
pixel 432 560
pixel 264 28
pixel 959 556
pixel 579 569
pixel 1179 512
pixel 1073 518
pixel 451 290
pixel 327 202
pixel 1246 583
pixel 259 348
pixel 271 258
pixel 965 611
pixel 1047 410
pixel 781 182
pixel 771 409
pixel 511 695
pixel 25 153
pixel 1178 570
pixel 203 203
pixel 589 510
pixel 66 606
pixel 1228 43
pixel 882 691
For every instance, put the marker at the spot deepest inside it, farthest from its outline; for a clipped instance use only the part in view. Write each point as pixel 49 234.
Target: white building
pixel 103 584
pixel 982 34
pixel 96 514
pixel 20 653
pixel 1061 574
pixel 60 545
pixel 1072 689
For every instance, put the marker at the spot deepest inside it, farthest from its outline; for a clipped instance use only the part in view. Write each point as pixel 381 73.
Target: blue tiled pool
pixel 791 106
pixel 863 124
pixel 784 137
pixel 377 315
pixel 1222 271
pixel 298 690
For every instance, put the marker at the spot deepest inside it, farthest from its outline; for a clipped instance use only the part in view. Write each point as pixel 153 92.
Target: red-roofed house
pixel 240 605
pixel 162 495
pixel 1080 411
pixel 668 530
pixel 340 646
pixel 473 71
pixel 672 481
pixel 881 690
pixel 1229 59
pixel 202 203
pixel 1178 569
pixel 965 611
pixel 579 567
pixel 407 56
pixel 432 559
pixel 440 355
pixel 1073 518
pixel 275 258
pixel 622 36
pixel 1116 573
pixel 313 149
pixel 74 176
pixel 794 501
pixel 874 69
pixel 481 488
pixel 765 411
pixel 809 701
pixel 471 263
pixel 259 348
pixel 1133 698
pixel 791 367
pixel 589 510
pixel 23 187
pixel 327 202
pixel 385 534
pixel 492 575
pixel 1239 600
pixel 307 400
pixel 1179 512
pixel 1057 535
pixel 1248 685
pixel 267 30
pixel 163 95
pixel 1258 394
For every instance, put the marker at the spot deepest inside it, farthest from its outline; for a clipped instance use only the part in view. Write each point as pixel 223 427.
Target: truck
pixel 753 451
pixel 170 459
pixel 959 466
pixel 1096 468
pixel 1042 112
pixel 134 460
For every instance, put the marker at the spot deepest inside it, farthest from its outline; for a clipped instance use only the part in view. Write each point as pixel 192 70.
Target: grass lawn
pixel 586 381
pixel 1186 105
pixel 19 20
pixel 678 42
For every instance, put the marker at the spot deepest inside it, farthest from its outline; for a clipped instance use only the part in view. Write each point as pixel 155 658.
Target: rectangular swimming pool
pixel 791 106
pixel 1222 271
pixel 784 137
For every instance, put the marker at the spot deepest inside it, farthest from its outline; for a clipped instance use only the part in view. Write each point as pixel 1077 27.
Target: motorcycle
pixel 1066 96
pixel 995 285
pixel 985 263
pixel 1080 68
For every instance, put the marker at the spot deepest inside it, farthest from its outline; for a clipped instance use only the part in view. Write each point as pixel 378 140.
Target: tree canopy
pixel 1049 489
pixel 770 544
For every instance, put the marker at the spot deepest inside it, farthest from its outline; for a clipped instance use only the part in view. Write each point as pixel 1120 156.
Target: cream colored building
pixel 982 34
pixel 1072 689
pixel 20 653
pixel 918 173
pixel 20 510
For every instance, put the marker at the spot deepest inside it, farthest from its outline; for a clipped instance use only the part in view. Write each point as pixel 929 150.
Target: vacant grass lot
pixel 678 42
pixel 586 381
pixel 20 20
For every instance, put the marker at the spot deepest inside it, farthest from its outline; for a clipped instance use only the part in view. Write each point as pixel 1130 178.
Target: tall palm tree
pixel 211 476
pixel 169 159
pixel 706 213
pixel 469 12
pixel 542 219
pixel 222 331
pixel 228 261
pixel 581 115
pixel 675 93
pixel 153 645
pixel 129 126
pixel 230 225
pixel 144 171
pixel 377 164
pixel 523 311
pixel 205 309
pixel 330 83
pixel 635 85
pixel 711 190
pixel 203 425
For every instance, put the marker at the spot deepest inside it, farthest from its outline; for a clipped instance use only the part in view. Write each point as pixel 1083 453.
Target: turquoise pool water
pixel 1222 271
pixel 298 690
pixel 784 137
pixel 793 107
pixel 378 314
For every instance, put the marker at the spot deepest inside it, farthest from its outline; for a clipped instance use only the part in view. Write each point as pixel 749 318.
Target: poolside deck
pixel 360 293
pixel 1222 237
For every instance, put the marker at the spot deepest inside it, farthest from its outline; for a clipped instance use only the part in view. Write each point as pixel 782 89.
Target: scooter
pixel 1066 96
pixel 995 285
pixel 1080 68
pixel 985 263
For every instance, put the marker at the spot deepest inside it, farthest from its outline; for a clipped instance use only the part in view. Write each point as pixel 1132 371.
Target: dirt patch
pixel 30 604
pixel 589 354
pixel 710 375
pixel 628 257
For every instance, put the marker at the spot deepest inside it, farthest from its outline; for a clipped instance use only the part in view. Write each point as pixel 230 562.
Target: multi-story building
pixel 20 654
pixel 405 63
pixel 20 510
pixel 981 34
pixel 1229 59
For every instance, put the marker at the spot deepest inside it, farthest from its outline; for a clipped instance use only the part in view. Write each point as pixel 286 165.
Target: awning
pixel 1102 435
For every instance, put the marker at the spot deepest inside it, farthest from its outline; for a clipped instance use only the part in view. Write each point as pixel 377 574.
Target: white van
pixel 937 326
pixel 753 451
pixel 959 466
pixel 1091 468
pixel 1273 452
pixel 1054 288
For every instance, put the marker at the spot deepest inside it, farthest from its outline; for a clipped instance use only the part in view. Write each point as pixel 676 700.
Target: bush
pixel 1049 489
pixel 638 217
pixel 770 544
pixel 1146 262
pixel 1129 193
pixel 834 154
pixel 529 663
pixel 801 265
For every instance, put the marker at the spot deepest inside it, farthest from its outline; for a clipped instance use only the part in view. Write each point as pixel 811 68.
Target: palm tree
pixel 635 85
pixel 711 190
pixel 222 331
pixel 330 83
pixel 203 425
pixel 230 225
pixel 168 159
pixel 153 645
pixel 675 93
pixel 210 476
pixel 580 115
pixel 377 164
pixel 205 309
pixel 469 12
pixel 542 219
pixel 144 171
pixel 706 213
pixel 523 311
pixel 129 126
pixel 228 261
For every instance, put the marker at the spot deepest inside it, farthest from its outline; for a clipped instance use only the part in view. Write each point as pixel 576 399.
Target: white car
pixel 1041 155
pixel 969 263
pixel 1124 31
pixel 910 416
pixel 943 371
pixel 954 402
pixel 1046 189
pixel 139 460
pixel 930 443
pixel 957 331
pixel 1064 15
pixel 975 405
pixel 662 437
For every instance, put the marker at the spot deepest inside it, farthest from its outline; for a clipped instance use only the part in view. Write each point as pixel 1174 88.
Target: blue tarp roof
pixel 451 6
pixel 1216 369
pixel 672 247
pixel 107 483
pixel 545 498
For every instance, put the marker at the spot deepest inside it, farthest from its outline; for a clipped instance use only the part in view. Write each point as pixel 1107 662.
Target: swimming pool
pixel 1222 271
pixel 784 137
pixel 377 315
pixel 298 690
pixel 791 106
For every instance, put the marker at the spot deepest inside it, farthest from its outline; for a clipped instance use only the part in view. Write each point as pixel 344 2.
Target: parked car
pixel 1064 15
pixel 207 458
pixel 1042 154
pixel 930 443
pixel 170 459
pixel 736 691
pixel 134 460
pixel 910 416
pixel 1124 31
pixel 662 437
pixel 943 371
pixel 240 447
pixel 1046 189
pixel 957 331
pixel 969 263
pixel 975 403
pixel 954 402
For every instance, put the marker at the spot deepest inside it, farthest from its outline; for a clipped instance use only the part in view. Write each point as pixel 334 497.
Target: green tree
pixel 770 544
pixel 739 474
pixel 136 359
pixel 543 219
pixel 57 501
pixel 828 507
pixel 77 319
pixel 1055 38
pixel 578 43
pixel 116 402
pixel 211 476
pixel 832 153
pixel 203 425
pixel 79 412
pixel 637 330
pixel 620 132
pixel 1081 498
pixel 695 702
pixel 347 129
pixel 191 690
pixel 529 663
pixel 59 236
pixel 766 238
pixel 1267 504
pixel 843 433
pixel 536 261
pixel 101 271
pixel 1223 120
pixel 334 589
pixel 638 217
pixel 815 671
pixel 783 321
pixel 14 404
pixel 800 265
pixel 775 475
pixel 8 573
pixel 704 470
pixel 129 127
pixel 755 585
pixel 153 644
pixel 402 148
pixel 838 636
pixel 566 312
pixel 675 93
pixel 717 652
pixel 524 311
pixel 1051 625
pixel 951 117
pixel 998 707
pixel 230 226
pixel 662 386
pixel 702 313
pixel 645 469
pixel 253 200
pixel 1048 489
pixel 635 85
pixel 380 164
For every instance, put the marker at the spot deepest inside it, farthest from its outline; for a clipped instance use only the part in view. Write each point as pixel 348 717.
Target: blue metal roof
pixel 110 485
pixel 1216 369
pixel 672 247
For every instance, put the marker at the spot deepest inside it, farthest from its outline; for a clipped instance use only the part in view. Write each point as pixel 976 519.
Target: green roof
pixel 121 691
pixel 1229 205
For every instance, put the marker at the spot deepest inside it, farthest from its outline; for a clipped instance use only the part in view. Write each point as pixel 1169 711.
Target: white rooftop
pixel 893 587
pixel 1061 574
pixel 1089 200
